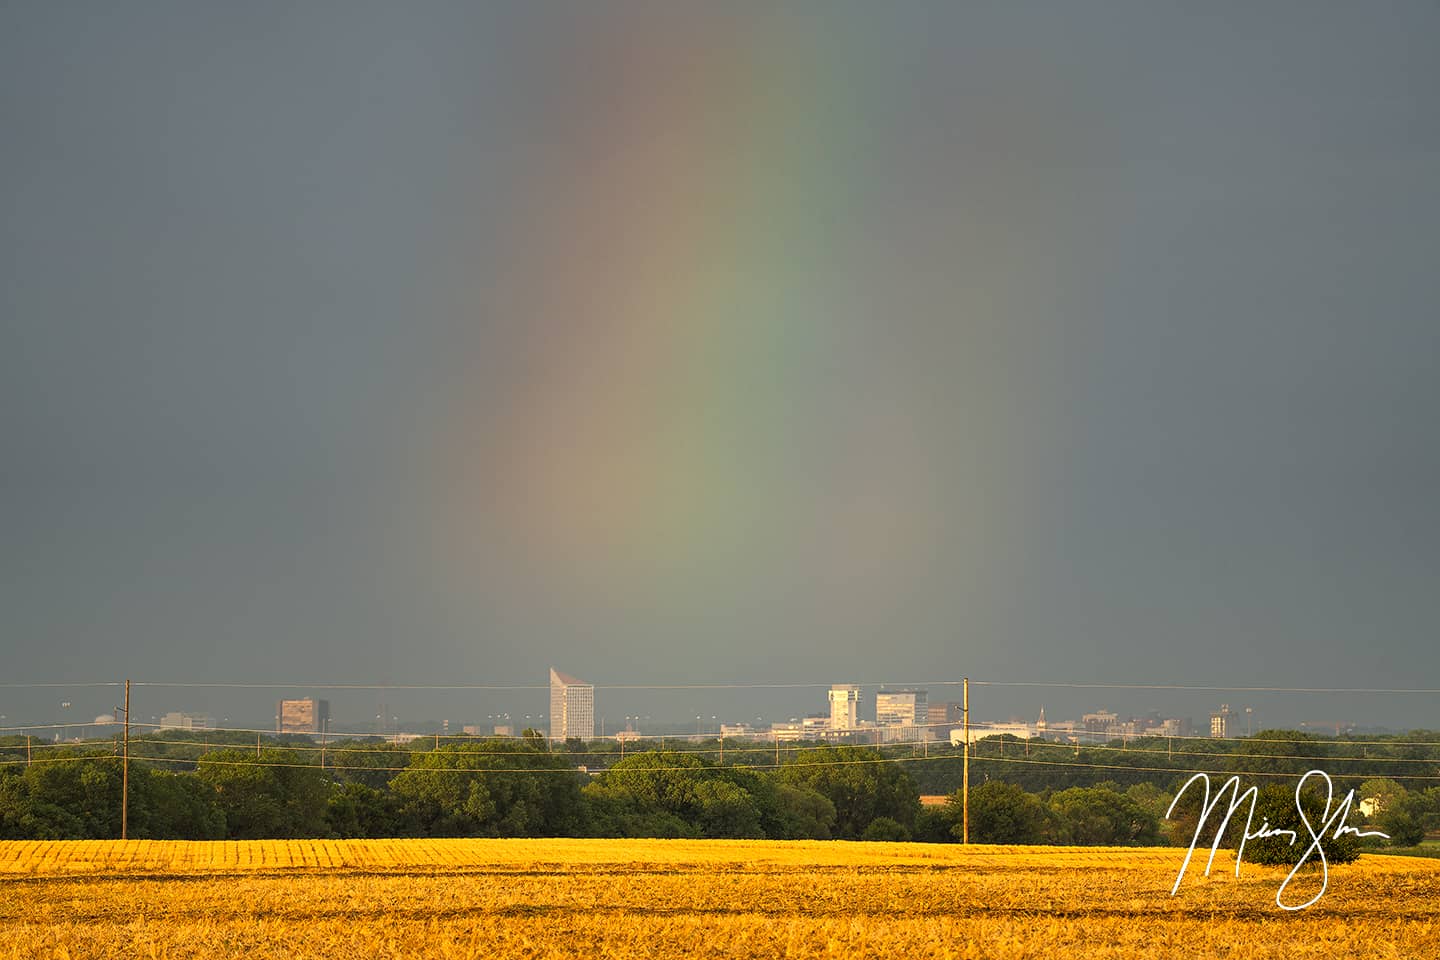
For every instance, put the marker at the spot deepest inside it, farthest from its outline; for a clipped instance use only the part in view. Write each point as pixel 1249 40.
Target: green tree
pixel 860 782
pixel 799 813
pixel 933 825
pixel 373 764
pixel 355 810
pixel 1088 816
pixel 172 806
pixel 272 795
pixel 613 812
pixel 1276 809
pixel 1278 751
pixel 503 788
pixel 726 810
pixel 999 813
pixel 1403 819
pixel 75 795
pixel 715 801
pixel 662 780
pixel 884 828
pixel 1382 790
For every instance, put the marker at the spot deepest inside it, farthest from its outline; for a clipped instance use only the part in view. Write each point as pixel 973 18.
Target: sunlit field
pixel 667 898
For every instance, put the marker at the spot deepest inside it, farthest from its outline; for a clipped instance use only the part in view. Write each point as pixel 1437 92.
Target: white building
pixel 979 731
pixel 844 706
pixel 175 720
pixel 901 733
pixel 1168 727
pixel 572 707
pixel 1066 730
pixel 815 725
pixel 787 732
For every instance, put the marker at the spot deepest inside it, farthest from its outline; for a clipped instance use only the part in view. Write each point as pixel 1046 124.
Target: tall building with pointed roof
pixel 572 707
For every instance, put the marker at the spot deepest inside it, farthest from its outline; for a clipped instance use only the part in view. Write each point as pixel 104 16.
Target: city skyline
pixel 830 709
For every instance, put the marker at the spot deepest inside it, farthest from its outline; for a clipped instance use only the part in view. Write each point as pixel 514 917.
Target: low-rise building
pixel 177 720
pixel 790 732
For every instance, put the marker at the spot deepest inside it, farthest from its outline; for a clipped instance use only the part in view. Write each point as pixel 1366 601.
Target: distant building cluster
pixel 900 715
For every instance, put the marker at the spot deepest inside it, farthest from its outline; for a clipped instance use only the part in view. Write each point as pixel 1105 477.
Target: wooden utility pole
pixel 965 778
pixel 28 760
pixel 125 772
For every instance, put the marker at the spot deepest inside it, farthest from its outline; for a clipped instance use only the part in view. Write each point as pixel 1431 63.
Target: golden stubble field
pixel 673 898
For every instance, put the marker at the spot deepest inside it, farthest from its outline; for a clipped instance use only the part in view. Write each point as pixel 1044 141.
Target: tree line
pixel 294 788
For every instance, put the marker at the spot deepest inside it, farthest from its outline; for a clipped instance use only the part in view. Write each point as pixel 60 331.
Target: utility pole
pixel 965 779
pixel 125 772
pixel 28 759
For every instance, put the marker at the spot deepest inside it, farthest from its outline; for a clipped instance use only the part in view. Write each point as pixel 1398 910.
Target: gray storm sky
pixel 663 344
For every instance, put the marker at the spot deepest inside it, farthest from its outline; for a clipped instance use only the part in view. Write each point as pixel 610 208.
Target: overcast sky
pixel 437 343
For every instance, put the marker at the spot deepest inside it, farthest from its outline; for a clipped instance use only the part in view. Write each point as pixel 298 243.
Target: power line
pixel 74 724
pixel 27 684
pixel 1379 740
pixel 1200 687
pixel 736 685
pixel 748 747
pixel 866 761
pixel 753 743
pixel 336 741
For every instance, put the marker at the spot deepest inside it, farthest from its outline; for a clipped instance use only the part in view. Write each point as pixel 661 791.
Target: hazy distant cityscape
pixel 848 713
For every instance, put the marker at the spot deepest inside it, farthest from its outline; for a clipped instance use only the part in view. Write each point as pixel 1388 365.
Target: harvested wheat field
pixel 669 898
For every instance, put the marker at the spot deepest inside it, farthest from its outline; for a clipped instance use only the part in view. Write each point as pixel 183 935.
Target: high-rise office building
pixel 844 706
pixel 951 712
pixel 908 708
pixel 302 716
pixel 1220 721
pixel 572 707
